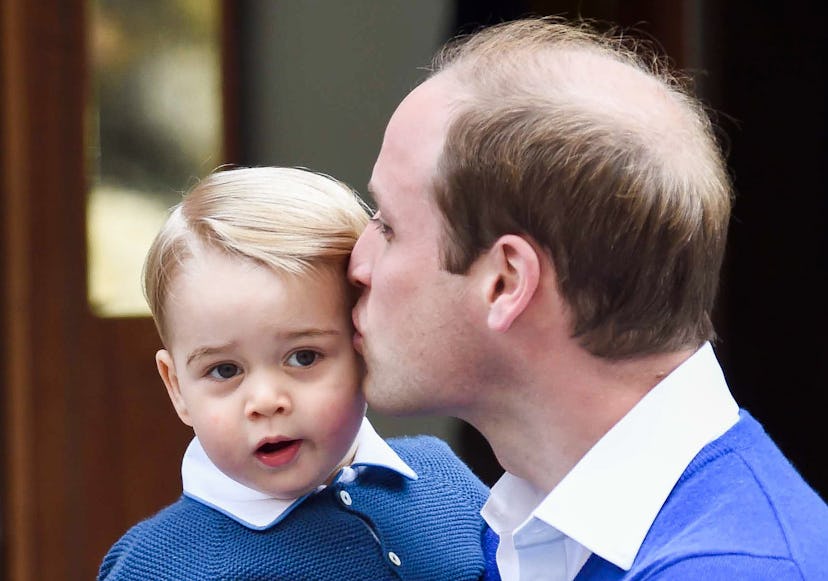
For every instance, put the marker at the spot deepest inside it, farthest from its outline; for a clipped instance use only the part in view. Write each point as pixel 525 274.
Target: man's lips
pixel 276 453
pixel 357 340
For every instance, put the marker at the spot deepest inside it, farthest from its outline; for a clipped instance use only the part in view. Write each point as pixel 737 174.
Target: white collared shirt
pixel 204 482
pixel 608 501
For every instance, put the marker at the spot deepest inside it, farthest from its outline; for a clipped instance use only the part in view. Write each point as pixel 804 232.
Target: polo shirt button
pixel 392 556
pixel 345 498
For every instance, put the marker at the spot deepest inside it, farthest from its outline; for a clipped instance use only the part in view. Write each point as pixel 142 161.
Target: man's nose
pixel 359 267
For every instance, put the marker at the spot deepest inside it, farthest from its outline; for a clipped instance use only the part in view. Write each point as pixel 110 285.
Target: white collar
pixel 609 500
pixel 204 482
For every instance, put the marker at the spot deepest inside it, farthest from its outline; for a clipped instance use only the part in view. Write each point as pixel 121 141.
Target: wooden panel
pixel 133 441
pixel 91 443
pixel 38 166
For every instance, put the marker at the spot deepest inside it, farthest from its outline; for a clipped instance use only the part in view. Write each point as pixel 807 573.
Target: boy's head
pixel 246 283
pixel 293 220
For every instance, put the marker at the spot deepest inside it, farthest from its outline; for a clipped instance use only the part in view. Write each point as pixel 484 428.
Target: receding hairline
pixel 588 75
pixel 617 88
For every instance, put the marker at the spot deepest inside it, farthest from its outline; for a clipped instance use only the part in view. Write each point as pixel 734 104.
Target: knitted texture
pixel 386 527
pixel 739 511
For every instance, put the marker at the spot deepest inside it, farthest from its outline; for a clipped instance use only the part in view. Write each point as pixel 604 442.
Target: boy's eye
pixel 303 358
pixel 224 371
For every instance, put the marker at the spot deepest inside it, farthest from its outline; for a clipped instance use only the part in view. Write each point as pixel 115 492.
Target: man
pixel 552 215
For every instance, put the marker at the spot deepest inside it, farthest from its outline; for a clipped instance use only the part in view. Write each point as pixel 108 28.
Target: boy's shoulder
pixel 436 514
pixel 437 465
pixel 427 451
pixel 169 518
pixel 178 531
pixel 420 442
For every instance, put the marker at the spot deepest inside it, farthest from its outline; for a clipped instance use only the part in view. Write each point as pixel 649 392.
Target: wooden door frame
pixel 43 84
pixel 90 443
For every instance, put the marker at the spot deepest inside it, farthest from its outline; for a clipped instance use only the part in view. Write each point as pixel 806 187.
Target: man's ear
pixel 166 369
pixel 512 278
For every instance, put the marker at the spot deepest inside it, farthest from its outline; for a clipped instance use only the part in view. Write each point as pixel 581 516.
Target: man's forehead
pixel 427 107
pixel 372 190
pixel 416 132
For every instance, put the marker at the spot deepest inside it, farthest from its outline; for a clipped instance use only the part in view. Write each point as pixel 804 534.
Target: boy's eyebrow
pixel 311 333
pixel 292 336
pixel 202 351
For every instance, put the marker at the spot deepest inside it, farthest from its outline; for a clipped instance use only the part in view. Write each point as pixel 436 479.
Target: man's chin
pixel 380 400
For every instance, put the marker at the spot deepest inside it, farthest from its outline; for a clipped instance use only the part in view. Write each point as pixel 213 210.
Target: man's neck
pixel 541 428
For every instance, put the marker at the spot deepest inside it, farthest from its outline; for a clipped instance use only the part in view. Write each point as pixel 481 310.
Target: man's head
pixel 565 139
pixel 606 162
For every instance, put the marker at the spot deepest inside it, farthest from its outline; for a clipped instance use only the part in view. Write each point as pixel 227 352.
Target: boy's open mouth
pixel 274 454
pixel 270 447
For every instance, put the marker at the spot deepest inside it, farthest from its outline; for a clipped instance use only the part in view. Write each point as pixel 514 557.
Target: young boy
pixel 285 478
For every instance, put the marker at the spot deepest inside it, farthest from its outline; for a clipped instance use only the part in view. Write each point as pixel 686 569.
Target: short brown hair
pixel 293 220
pixel 599 154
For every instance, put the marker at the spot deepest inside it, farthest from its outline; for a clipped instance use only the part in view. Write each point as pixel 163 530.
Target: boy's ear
pixel 166 369
pixel 512 277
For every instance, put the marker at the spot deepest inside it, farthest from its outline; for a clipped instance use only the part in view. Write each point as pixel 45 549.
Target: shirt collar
pixel 203 481
pixel 609 500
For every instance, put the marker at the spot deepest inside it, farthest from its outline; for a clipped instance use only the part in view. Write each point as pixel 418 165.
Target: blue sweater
pixel 386 527
pixel 739 511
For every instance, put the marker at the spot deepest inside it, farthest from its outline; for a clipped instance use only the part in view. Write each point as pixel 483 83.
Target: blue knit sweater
pixel 739 511
pixel 389 528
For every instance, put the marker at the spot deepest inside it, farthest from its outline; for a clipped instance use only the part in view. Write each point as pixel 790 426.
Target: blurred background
pixel 110 109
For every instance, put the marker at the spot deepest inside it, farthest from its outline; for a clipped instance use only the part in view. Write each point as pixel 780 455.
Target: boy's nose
pixel 268 399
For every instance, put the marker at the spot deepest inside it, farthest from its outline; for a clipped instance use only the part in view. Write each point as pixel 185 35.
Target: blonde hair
pixel 293 220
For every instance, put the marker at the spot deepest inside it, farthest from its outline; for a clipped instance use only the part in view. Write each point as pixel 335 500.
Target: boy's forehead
pixel 219 292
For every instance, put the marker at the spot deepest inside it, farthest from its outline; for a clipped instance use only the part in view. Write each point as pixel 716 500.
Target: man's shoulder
pixel 750 479
pixel 740 501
